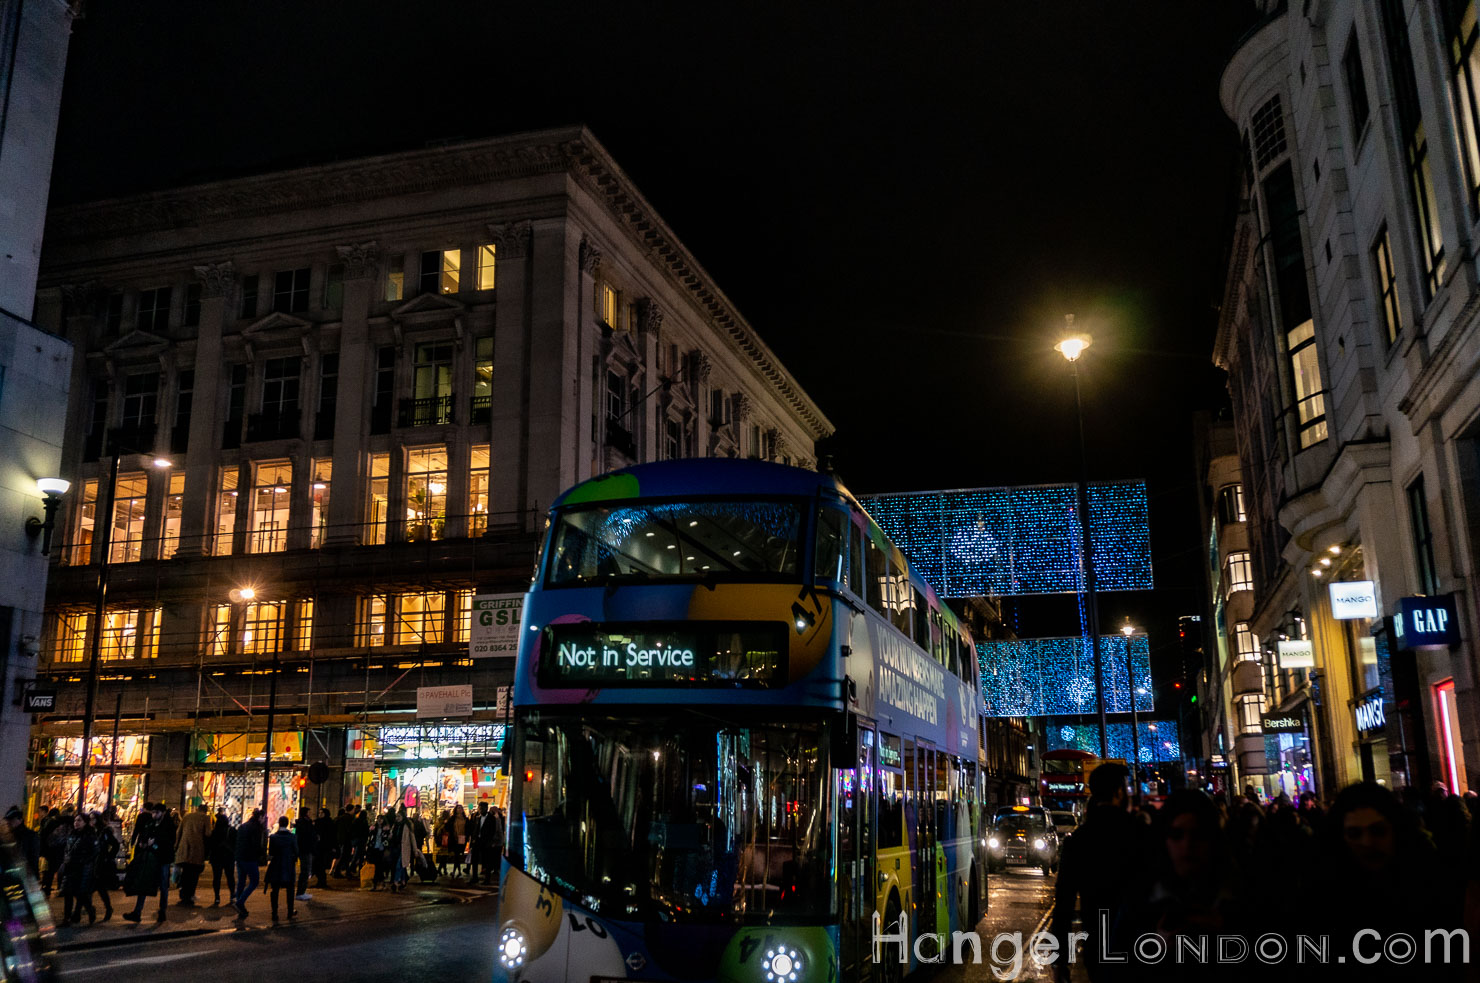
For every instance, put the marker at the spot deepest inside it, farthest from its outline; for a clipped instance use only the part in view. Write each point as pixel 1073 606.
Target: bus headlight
pixel 1040 844
pixel 782 965
pixel 993 842
pixel 512 948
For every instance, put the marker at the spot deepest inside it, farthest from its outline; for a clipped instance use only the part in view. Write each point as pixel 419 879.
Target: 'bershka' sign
pixel 587 654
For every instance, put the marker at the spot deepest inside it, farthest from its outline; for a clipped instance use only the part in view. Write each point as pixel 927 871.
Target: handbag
pixel 141 877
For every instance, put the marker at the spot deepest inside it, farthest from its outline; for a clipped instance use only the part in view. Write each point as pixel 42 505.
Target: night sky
pixel 904 200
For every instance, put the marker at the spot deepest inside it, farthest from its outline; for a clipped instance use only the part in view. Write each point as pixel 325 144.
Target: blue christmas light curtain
pixel 1158 739
pixel 1035 677
pixel 1020 541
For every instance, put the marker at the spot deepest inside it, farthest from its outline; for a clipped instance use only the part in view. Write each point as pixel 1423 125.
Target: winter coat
pixel 328 835
pixel 29 845
pixel 221 844
pixel 249 842
pixel 105 874
pixel 163 833
pixel 190 842
pixel 308 837
pixel 282 859
pixel 404 847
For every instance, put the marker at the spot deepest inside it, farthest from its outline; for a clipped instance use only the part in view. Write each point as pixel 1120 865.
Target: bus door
pixel 856 790
pixel 925 840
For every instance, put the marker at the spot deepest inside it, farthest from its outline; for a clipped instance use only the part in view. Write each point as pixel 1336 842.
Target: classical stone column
pixel 508 443
pixel 649 327
pixel 579 337
pixel 352 405
pixel 203 453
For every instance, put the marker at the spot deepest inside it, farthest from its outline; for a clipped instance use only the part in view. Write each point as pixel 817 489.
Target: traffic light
pixel 299 781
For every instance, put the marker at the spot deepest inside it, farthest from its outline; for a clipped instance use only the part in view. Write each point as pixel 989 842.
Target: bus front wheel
pixel 894 953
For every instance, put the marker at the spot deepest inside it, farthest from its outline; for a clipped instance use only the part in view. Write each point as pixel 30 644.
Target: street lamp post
pixel 1129 631
pixel 1071 348
pixel 103 529
pixel 243 596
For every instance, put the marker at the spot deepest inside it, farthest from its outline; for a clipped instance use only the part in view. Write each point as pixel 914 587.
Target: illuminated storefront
pixel 427 768
pixel 53 783
pixel 227 773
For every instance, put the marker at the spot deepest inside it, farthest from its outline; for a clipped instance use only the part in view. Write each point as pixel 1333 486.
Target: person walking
pixel 221 851
pixel 282 856
pixel 78 860
pixel 251 842
pixel 55 829
pixel 154 852
pixel 1096 867
pixel 491 843
pixel 26 839
pixel 343 836
pixel 328 846
pixel 190 851
pixel 406 855
pixel 359 837
pixel 105 869
pixel 307 837
pixel 459 839
pixel 378 851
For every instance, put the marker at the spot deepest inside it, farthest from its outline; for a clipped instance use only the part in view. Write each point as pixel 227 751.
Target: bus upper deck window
pixel 831 559
pixel 855 560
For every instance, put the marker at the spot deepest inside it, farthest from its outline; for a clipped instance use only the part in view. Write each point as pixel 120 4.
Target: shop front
pixel 1370 712
pixel 227 773
pixel 1287 749
pixel 427 769
pixel 53 781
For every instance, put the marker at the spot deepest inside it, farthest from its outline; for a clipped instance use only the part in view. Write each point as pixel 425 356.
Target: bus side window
pixel 921 619
pixel 877 577
pixel 891 815
pixel 830 560
pixel 899 599
pixel 855 561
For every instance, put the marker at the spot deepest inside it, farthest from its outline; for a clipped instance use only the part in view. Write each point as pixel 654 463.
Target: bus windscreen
pixel 699 540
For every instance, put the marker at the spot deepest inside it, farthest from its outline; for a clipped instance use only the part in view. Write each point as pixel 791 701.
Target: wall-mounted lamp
pixel 52 490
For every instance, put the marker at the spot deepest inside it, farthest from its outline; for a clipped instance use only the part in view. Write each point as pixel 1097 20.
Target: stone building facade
pixel 1350 329
pixel 338 401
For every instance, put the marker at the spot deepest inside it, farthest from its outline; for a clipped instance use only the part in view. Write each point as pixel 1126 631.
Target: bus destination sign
pixel 588 654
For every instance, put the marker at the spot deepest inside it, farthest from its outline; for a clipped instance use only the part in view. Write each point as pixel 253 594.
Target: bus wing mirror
pixel 845 744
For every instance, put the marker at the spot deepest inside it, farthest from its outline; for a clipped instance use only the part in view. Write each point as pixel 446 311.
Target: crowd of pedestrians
pixel 77 854
pixel 1399 865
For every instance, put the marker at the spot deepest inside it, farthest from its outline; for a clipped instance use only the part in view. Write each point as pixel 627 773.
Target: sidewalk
pixel 344 899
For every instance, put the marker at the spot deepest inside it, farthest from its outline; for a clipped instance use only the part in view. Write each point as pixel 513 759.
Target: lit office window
pixel 323 469
pixel 477 489
pixel 426 493
pixel 267 527
pixel 225 512
pixel 130 496
pixel 173 504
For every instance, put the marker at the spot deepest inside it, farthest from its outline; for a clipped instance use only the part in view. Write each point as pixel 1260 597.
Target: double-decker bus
pixel 745 734
pixel 1063 779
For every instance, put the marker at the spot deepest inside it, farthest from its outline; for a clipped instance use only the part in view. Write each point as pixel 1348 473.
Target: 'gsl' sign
pixel 495 628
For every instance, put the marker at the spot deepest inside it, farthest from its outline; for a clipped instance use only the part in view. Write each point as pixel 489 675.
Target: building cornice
pixel 1332 503
pixel 1238 262
pixel 1449 368
pixel 571 150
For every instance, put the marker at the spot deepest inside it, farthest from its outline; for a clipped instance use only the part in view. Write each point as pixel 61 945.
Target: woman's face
pixel 1370 838
pixel 79 823
pixel 1189 845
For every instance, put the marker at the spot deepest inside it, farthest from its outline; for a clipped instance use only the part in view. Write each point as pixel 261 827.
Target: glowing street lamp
pixel 1071 347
